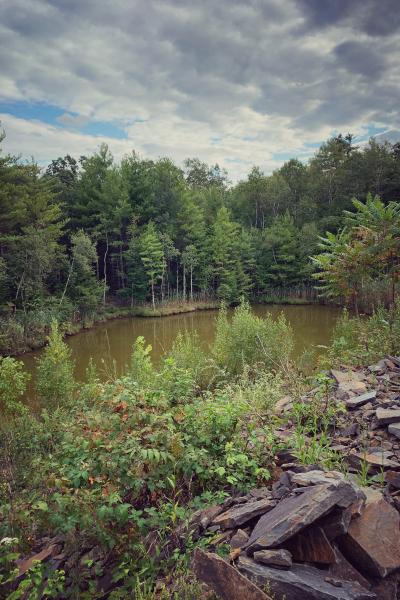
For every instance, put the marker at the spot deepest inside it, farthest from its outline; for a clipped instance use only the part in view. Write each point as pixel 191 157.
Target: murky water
pixel 111 343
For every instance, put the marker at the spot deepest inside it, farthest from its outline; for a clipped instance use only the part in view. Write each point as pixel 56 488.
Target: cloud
pixel 233 82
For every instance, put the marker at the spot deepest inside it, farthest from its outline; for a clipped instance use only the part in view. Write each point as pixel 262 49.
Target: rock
pixel 311 545
pixel 386 416
pixel 301 582
pixel 240 539
pixel 343 569
pixel 294 514
pixel 203 518
pixel 393 478
pixel 316 477
pixel 243 513
pixel 394 429
pixel 283 405
pixel 372 542
pixel 387 589
pixel 224 579
pixel 346 390
pixel 343 377
pixel 336 523
pixel 379 367
pixel 43 555
pixel 277 558
pixel 375 461
pixel 357 401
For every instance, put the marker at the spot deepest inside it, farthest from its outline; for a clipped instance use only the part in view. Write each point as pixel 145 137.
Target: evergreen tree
pixel 152 255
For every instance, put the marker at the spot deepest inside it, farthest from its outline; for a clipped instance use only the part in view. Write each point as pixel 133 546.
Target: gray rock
pixel 294 514
pixel 277 558
pixel 376 461
pixel 302 582
pixel 394 429
pixel 242 513
pixel 240 539
pixel 386 416
pixel 316 477
pixel 357 401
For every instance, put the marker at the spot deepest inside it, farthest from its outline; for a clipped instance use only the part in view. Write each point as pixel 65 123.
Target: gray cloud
pixel 282 73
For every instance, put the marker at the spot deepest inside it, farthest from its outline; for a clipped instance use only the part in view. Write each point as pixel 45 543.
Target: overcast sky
pixel 230 81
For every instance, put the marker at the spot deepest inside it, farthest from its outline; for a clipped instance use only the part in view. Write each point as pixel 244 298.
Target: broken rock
pixel 240 539
pixel 294 514
pixel 372 542
pixel 243 513
pixel 277 558
pixel 386 416
pixel 224 579
pixel 394 429
pixel 302 582
pixel 357 401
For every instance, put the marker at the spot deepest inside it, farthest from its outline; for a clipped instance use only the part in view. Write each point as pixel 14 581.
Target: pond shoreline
pixel 114 312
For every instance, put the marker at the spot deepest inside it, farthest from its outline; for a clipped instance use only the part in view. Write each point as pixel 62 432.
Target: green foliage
pixel 364 340
pixel 55 378
pixel 249 341
pixel 368 250
pixel 12 387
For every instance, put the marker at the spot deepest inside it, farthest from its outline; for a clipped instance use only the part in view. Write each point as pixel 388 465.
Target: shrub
pixel 250 341
pixel 362 340
pixel 55 372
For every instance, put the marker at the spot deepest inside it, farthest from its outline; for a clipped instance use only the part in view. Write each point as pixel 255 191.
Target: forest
pixel 87 233
pixel 105 481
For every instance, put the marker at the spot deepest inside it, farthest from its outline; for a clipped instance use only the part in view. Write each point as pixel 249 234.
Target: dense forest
pixel 87 231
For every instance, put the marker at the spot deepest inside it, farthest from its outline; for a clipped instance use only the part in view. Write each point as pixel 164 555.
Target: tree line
pixel 89 229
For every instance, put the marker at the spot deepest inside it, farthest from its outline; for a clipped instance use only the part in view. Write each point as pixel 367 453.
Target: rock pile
pixel 313 536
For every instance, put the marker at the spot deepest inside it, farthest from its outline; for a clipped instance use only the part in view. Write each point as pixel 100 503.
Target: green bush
pixel 362 340
pixel 251 341
pixel 55 371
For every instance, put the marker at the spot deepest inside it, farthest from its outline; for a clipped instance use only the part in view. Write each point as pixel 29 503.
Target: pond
pixel 111 342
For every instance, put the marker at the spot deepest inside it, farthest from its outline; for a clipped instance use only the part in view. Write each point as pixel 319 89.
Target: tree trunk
pixel 105 271
pixel 67 282
pixel 162 287
pixel 191 284
pixel 184 283
pixel 152 295
pixel 177 281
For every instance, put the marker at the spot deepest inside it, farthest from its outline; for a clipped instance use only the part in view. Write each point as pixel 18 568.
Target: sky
pixel 233 82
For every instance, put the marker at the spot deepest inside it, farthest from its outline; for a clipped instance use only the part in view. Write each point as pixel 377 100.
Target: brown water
pixel 111 343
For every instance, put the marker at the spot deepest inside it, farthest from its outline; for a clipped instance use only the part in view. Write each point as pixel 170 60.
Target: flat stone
pixel 372 542
pixel 240 539
pixel 301 582
pixel 294 514
pixel 342 377
pixel 386 416
pixel 357 401
pixel 375 460
pixel 242 513
pixel 277 558
pixel 224 579
pixel 311 545
pixel 316 477
pixel 394 429
pixel 343 569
